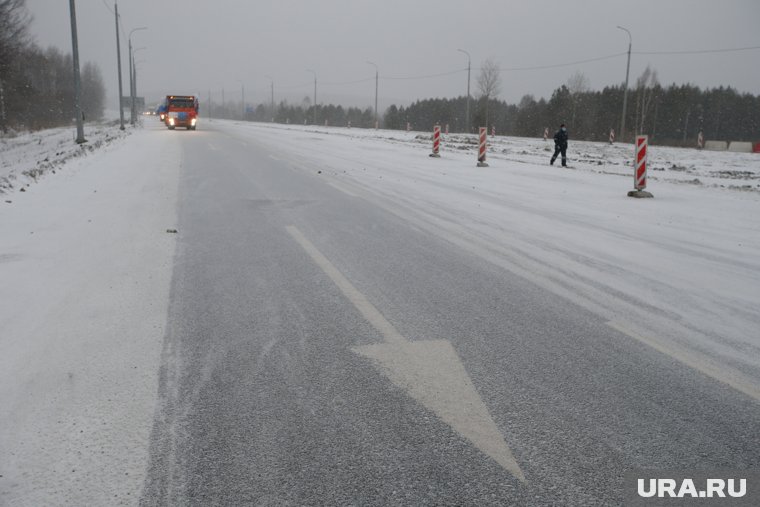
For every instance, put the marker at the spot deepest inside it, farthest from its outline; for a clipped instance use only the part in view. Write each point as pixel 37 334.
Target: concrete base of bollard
pixel 639 194
pixel 482 164
pixel 435 155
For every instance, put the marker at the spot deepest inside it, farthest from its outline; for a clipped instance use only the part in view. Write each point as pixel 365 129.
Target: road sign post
pixel 640 169
pixel 436 141
pixel 482 147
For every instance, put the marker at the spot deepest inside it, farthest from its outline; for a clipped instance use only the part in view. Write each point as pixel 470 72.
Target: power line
pixel 429 76
pixel 350 82
pixel 106 6
pixel 697 52
pixel 556 65
pixel 520 69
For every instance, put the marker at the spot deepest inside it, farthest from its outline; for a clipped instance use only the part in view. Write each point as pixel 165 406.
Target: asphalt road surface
pixel 326 349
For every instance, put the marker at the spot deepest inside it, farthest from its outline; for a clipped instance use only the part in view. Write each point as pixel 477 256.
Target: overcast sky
pixel 195 46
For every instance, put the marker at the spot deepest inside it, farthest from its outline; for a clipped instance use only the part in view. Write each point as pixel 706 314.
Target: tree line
pixel 303 113
pixel 671 115
pixel 36 85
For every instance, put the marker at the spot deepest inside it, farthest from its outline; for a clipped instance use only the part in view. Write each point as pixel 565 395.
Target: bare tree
pixel 489 82
pixel 14 22
pixel 645 88
pixel 578 84
pixel 93 91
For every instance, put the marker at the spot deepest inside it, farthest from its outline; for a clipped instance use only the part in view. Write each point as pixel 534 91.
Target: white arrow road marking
pixel 429 371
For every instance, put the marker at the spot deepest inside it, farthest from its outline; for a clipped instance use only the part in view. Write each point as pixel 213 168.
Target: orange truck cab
pixel 181 111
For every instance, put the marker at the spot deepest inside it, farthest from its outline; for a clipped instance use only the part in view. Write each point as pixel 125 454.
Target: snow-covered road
pixel 86 264
pixel 680 272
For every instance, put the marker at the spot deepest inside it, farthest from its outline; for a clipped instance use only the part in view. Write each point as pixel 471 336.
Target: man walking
pixel 560 145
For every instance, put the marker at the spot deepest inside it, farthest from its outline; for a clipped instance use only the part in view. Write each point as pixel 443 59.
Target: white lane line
pixel 430 371
pixel 701 363
pixel 340 188
pixel 367 309
pixel 213 146
pixel 274 158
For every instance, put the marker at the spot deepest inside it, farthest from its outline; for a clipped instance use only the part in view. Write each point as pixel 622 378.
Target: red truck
pixel 181 111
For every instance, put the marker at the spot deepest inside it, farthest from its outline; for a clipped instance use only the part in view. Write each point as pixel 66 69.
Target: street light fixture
pixel 377 74
pixel 625 92
pixel 131 79
pixel 467 114
pixel 315 94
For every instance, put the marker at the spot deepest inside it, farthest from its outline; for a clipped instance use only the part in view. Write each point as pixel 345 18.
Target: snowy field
pixel 86 265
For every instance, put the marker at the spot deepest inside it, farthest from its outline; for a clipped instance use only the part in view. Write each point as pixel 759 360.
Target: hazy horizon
pixel 198 47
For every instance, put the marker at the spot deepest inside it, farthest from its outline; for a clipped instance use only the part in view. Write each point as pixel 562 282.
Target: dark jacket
pixel 560 138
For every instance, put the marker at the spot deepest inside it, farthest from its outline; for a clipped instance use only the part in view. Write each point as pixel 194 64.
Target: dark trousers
pixel 560 148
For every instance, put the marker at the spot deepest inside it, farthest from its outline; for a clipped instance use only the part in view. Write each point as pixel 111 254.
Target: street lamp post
pixel 315 94
pixel 467 114
pixel 272 89
pixel 625 92
pixel 131 70
pixel 118 65
pixel 133 85
pixel 377 74
pixel 242 97
pixel 77 82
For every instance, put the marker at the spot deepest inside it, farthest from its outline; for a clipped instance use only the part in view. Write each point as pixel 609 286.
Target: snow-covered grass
pixel 26 156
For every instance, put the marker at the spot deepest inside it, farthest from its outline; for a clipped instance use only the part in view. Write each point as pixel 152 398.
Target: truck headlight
pixel 171 121
pixel 192 122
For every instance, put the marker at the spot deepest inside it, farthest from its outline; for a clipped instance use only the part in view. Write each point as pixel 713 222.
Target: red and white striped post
pixel 546 133
pixel 612 136
pixel 436 141
pixel 447 129
pixel 640 174
pixel 482 147
pixel 640 168
pixel 493 130
pixel 700 140
pixel 408 126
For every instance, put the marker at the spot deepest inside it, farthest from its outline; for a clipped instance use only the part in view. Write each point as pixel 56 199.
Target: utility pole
pixel 77 79
pixel 272 88
pixel 3 126
pixel 315 94
pixel 132 90
pixel 377 73
pixel 467 114
pixel 625 92
pixel 131 83
pixel 118 64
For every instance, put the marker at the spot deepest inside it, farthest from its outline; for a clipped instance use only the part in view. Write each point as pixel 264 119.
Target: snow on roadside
pixel 86 265
pixel 681 270
pixel 27 156
pixel 735 171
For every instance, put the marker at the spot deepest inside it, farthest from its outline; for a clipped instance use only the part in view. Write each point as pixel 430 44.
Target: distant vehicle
pixel 161 111
pixel 181 111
